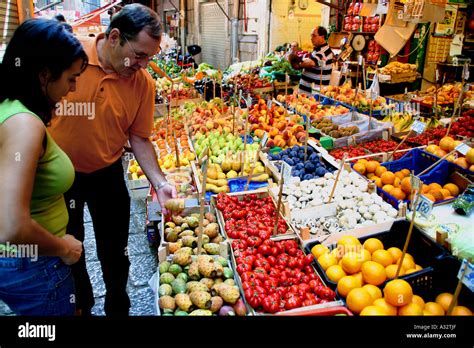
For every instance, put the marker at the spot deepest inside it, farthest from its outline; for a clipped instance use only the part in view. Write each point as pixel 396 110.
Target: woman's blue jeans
pixel 44 287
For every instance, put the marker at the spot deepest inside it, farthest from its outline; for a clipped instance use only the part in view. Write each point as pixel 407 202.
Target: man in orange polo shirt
pixel 113 103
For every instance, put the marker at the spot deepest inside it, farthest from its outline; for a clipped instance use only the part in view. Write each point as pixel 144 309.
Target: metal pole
pixel 234 40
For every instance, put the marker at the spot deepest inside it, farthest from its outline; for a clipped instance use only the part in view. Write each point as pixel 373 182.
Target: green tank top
pixel 54 176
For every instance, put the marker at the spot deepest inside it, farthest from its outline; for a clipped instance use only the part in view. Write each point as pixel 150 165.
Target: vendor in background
pixel 118 94
pixel 60 18
pixel 35 172
pixel 317 67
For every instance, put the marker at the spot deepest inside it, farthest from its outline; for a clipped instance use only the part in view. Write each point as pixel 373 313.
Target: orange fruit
pixel 397 182
pixel 383 257
pixel 434 186
pixel 366 255
pixel 335 273
pixel 425 188
pixel 452 188
pixel 395 253
pixel 378 181
pixel 373 273
pixel 427 314
pixel 346 284
pixel 371 166
pixel 461 310
pixel 337 253
pixel 406 185
pixel 462 162
pixel 444 300
pixel 359 167
pixel 363 161
pixel 327 261
pixel 373 311
pixel 411 270
pixel 437 195
pixel 406 172
pixel 388 188
pixel 445 193
pixel 398 292
pixel 358 299
pixel 398 194
pixel 410 309
pixel 351 262
pixel 392 270
pixel 418 268
pixel 348 240
pixel 430 197
pixel 434 308
pixel 419 301
pixel 407 263
pixel 373 290
pixel 360 278
pixel 446 143
pixel 382 303
pixel 318 250
pixel 387 178
pixel 370 176
pixel 400 175
pixel 372 244
pixel 380 170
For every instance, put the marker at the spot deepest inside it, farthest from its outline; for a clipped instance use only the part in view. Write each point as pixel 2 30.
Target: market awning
pixel 93 18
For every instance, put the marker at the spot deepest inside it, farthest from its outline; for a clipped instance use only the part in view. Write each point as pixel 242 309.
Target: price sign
pixel 462 148
pixel 285 172
pixel 425 206
pixel 264 140
pixel 468 279
pixel 418 127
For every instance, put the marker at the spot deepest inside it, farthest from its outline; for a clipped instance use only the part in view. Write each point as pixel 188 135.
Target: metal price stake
pixel 245 144
pixel 415 192
pixel 466 276
pixel 341 167
pixel 285 175
pixel 436 93
pixel 204 167
pixel 308 125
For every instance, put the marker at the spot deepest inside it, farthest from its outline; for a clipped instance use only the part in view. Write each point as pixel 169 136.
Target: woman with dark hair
pixel 40 66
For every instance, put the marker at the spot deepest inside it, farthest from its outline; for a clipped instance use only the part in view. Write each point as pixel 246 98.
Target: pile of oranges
pixel 359 270
pixel 398 184
pixel 446 145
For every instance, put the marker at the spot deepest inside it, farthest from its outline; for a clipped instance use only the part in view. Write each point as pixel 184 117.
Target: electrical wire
pixel 419 44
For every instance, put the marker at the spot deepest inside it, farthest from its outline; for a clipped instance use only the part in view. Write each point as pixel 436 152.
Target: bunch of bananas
pixel 401 121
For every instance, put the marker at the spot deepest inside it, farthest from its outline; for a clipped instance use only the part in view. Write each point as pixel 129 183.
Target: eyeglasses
pixel 137 56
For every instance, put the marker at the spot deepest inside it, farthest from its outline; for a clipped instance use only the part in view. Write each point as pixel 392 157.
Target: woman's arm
pixel 21 139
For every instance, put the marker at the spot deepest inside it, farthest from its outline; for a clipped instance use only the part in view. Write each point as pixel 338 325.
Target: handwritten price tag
pixel 468 279
pixel 264 139
pixel 418 127
pixel 425 206
pixel 462 148
pixel 285 172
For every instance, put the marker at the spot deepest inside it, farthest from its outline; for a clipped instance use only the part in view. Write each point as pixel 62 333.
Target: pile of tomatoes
pixel 275 275
pixel 430 136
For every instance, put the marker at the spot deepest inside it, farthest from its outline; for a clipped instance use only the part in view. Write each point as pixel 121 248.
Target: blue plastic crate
pixel 238 185
pixel 415 160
